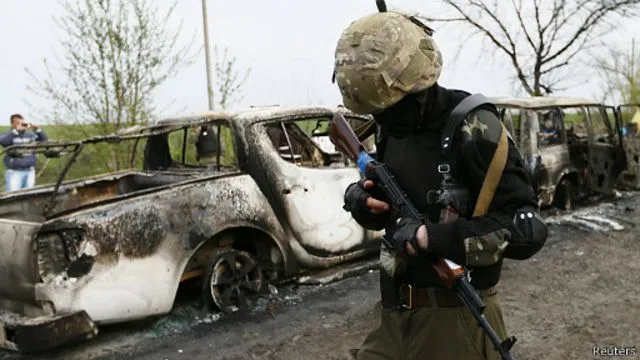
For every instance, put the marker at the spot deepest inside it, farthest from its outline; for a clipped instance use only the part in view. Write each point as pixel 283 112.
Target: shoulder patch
pixel 481 124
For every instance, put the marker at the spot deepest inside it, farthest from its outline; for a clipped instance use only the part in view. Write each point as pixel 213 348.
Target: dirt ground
pixel 579 292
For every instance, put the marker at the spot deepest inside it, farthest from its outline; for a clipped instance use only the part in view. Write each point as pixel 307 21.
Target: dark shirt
pixel 207 143
pixel 15 137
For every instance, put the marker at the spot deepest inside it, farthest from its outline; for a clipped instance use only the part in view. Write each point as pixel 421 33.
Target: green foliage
pixel 228 80
pixel 116 54
pixel 309 125
pixel 571 118
pixel 177 141
pixel 94 159
pixel 620 72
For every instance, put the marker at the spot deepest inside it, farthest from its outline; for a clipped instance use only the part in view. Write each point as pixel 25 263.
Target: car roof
pixel 243 118
pixel 257 114
pixel 541 101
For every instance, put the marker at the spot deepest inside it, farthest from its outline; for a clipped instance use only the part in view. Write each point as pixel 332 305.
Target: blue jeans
pixel 19 179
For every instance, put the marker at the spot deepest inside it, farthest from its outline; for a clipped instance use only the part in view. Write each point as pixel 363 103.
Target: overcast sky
pixel 288 44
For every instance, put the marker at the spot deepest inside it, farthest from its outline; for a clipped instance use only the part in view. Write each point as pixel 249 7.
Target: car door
pixel 628 119
pixel 613 116
pixel 311 188
pixel 606 157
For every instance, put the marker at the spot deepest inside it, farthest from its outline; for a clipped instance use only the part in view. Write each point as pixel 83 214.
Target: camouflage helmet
pixel 381 58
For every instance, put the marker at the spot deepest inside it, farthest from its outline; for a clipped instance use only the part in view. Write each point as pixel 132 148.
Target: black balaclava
pixel 415 113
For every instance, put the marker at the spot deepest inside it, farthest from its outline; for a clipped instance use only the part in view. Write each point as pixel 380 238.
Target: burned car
pixel 572 147
pixel 629 119
pixel 237 200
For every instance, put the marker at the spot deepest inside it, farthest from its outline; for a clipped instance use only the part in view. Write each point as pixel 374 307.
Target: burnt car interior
pixel 306 142
pixel 199 148
pixel 589 136
pixel 628 116
pixel 577 137
pixel 167 156
pixel 551 129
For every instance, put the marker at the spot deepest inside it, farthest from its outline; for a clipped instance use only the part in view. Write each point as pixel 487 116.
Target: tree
pixel 116 55
pixel 542 38
pixel 229 80
pixel 620 72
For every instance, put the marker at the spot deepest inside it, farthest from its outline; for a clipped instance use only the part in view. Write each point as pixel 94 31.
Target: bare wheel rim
pixel 236 281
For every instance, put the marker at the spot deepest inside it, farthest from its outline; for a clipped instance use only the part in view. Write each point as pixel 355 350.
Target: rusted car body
pixel 571 146
pixel 115 248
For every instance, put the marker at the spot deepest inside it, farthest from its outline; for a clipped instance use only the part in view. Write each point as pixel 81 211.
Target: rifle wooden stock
pixel 446 273
pixel 343 137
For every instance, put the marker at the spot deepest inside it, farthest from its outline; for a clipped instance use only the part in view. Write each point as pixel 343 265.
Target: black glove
pixel 355 202
pixel 406 230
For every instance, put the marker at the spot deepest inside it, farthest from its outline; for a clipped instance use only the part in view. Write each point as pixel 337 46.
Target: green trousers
pixel 432 334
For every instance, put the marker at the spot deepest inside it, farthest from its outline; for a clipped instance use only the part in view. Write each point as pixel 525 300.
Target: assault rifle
pixel 452 275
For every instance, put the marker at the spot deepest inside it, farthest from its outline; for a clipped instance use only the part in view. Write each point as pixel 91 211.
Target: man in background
pixel 207 146
pixel 20 171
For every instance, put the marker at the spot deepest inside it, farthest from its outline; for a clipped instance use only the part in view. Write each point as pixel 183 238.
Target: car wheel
pixel 233 282
pixel 565 195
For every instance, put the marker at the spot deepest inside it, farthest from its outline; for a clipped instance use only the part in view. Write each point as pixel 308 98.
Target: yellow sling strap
pixel 493 175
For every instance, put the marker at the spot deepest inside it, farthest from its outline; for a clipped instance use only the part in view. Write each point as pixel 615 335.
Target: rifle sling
pixel 365 130
pixel 499 159
pixel 493 175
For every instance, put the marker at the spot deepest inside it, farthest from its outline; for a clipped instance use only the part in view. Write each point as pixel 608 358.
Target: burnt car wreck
pixel 629 120
pixel 572 147
pixel 259 202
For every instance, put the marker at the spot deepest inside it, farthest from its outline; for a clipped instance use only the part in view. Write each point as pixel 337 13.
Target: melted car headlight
pixel 56 250
pixel 51 255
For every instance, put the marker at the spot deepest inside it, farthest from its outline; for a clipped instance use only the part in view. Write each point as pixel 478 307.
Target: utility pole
pixel 207 55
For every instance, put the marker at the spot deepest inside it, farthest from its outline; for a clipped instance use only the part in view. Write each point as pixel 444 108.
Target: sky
pixel 288 45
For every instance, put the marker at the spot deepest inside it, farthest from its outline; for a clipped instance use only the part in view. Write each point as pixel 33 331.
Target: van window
pixel 511 120
pixel 575 122
pixel 550 121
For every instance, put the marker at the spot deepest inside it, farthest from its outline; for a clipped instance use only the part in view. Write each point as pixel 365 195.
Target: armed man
pixel 388 65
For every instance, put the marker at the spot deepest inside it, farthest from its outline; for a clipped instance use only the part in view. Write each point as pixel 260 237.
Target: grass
pixel 96 159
